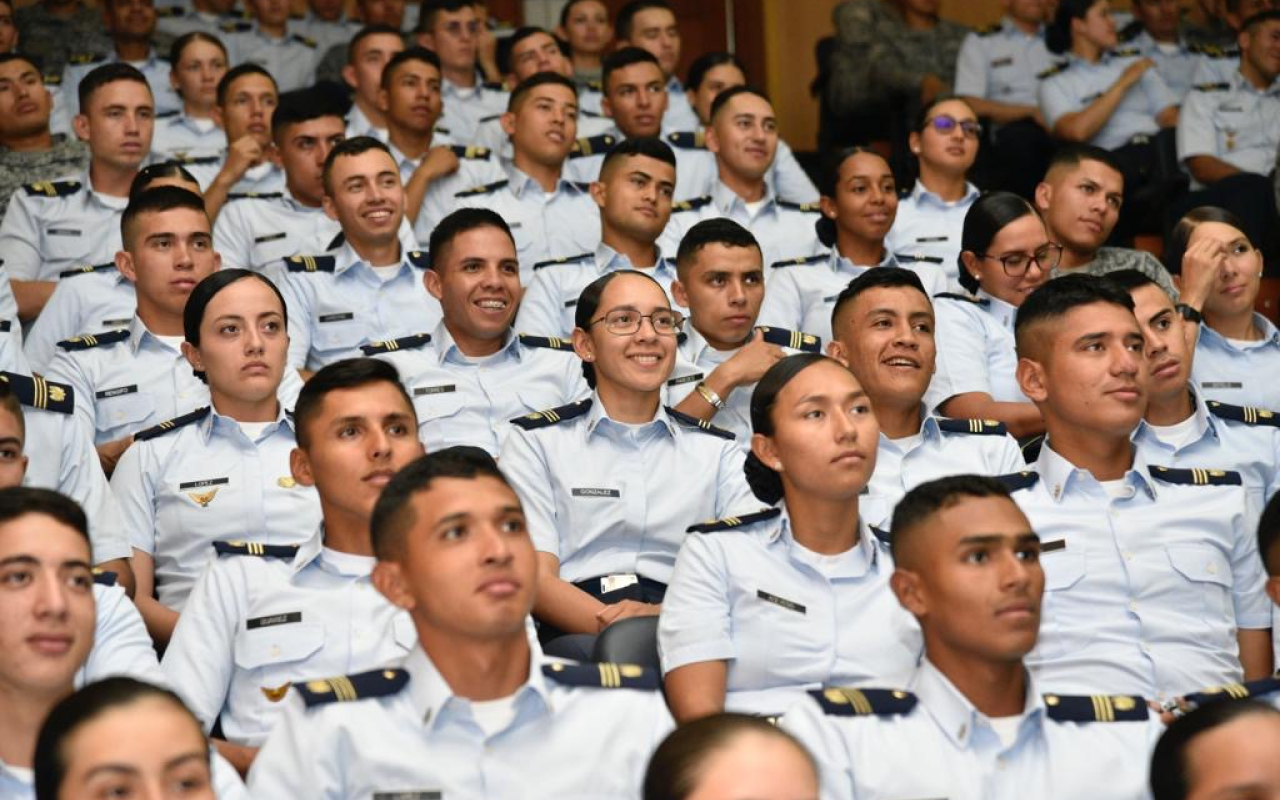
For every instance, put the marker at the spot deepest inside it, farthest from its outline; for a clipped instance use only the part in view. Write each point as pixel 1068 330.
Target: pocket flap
pixel 278 644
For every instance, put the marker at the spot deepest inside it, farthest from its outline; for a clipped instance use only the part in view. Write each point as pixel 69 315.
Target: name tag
pixel 1056 544
pixel 341 316
pixel 1237 109
pixel 513 225
pixel 589 492
pixel 203 483
pixel 830 299
pixel 1002 62
pixel 570 303
pixel 116 323
pixel 924 239
pixel 407 796
pixel 270 237
pixel 63 232
pixel 780 601
pixel 116 392
pixel 425 390
pixel 1222 385
pixel 685 379
pixel 273 620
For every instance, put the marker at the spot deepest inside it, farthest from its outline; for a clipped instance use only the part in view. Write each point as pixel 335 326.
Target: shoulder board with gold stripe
pixel 1197 477
pixel 418 258
pixel 86 58
pixel 494 86
pixel 236 27
pixel 1051 71
pixel 687 140
pixel 311 263
pixel 1234 691
pixel 692 204
pixel 982 427
pixel 729 523
pixel 485 189
pixel 552 416
pixel 255 196
pixel 595 86
pixel 1095 708
pixel 968 298
pixel 87 269
pixel 841 702
pixel 548 342
pixel 304 40
pixel 808 208
pixel 36 392
pixel 86 341
pixel 347 688
pixel 170 12
pixel 592 146
pixel 690 421
pixel 1245 414
pixel 52 188
pixel 171 424
pixel 1125 52
pixel 470 151
pixel 602 676
pixel 105 577
pixel 1214 51
pixel 796 340
pixel 391 345
pixel 563 260
pixel 800 261
pixel 1016 481
pixel 255 549
pixel 1211 87
pixel 52 80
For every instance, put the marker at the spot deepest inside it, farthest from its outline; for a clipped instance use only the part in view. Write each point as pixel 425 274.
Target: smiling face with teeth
pixel 477 281
pixel 863 204
pixel 630 367
pixel 365 196
pixel 885 335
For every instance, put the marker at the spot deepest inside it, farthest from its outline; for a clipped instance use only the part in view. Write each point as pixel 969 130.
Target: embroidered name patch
pixel 339 317
pixel 273 620
pixel 780 601
pixel 202 484
pixel 589 492
pixel 116 392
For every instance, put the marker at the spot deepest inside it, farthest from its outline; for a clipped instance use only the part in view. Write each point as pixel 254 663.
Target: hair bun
pixel 825 228
pixel 765 483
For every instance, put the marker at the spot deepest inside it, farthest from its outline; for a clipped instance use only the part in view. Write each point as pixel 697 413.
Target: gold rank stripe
pixel 392 345
pixel 556 342
pixel 1199 476
pixel 309 263
pixel 1251 415
pixel 732 522
pixel 550 415
pixel 1102 709
pixel 859 701
pixel 89 339
pixel 1236 690
pixel 343 689
pixel 610 676
pixel 41 392
pixel 975 426
pixel 795 340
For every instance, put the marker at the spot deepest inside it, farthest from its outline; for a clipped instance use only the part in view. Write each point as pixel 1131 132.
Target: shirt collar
pixel 953 712
pixel 599 421
pixel 781 535
pixel 839 263
pixel 610 260
pixel 105 200
pixel 435 703
pixel 1270 334
pixel 1204 422
pixel 295 205
pixel 447 349
pixel 138 333
pixel 1004 313
pixel 1061 477
pixel 229 426
pixel 347 258
pixel 694 345
pixel 346 564
pixel 725 199
pixel 920 194
pixel 1007 25
pixel 1239 83
pixel 519 182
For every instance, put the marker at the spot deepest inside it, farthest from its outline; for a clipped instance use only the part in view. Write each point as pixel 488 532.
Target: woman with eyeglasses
pixel 764 606
pixel 927 228
pixel 1005 255
pixel 197 63
pixel 610 483
pixel 858 210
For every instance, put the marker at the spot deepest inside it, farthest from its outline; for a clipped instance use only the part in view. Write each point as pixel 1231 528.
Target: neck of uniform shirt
pixel 545 175
pixel 627 406
pixel 642 255
pixel 110 180
pixel 372 113
pixel 272 30
pixel 245 409
pixel 862 252
pixel 825 525
pixel 1256 78
pixel 377 253
pixel 948 185
pixel 345 531
pixel 1085 50
pixel 898 417
pixel 587 62
pixel 474 346
pixel 1073 258
pixel 157 321
pixel 1240 325
pixel 477 669
pixel 193 111
pixel 749 190
pixel 24 712
pixel 132 49
pixel 1170 409
pixel 1106 455
pixel 997 687
pixel 1028 26
pixel 463 77
pixel 412 143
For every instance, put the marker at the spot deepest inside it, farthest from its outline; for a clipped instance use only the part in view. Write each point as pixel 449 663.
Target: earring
pixel 777 466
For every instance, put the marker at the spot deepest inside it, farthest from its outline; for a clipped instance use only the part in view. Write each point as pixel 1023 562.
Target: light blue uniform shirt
pixel 701 173
pixel 586 168
pixel 476 167
pixel 53 226
pixel 679 115
pixel 927 230
pixel 612 499
pixel 175 21
pixel 1001 64
pixel 1081 83
pixel 335 310
pixel 489 132
pixel 562 741
pixel 802 292
pixel 358 124
pixel 96 298
pixel 463 400
pixel 566 220
pixel 180 136
pixel 291 60
pixel 121 644
pixel 1143 594
pixel 255 624
pixel 204 482
pixel 323 32
pixel 264 178
pixel 1232 121
pixel 1239 373
pixel 464 108
pixel 551 298
pixel 975 350
pixel 154 68
pixel 945 747
pixel 786 619
pixel 1176 64
pixel 1216 67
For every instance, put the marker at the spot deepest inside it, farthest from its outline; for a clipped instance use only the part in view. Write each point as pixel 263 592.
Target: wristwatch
pixel 1189 314
pixel 709 394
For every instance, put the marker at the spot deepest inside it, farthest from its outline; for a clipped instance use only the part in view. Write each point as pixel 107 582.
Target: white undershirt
pixel 1240 344
pixel 754 208
pixel 173 341
pixel 1180 434
pixel 494 716
pixel 386 273
pixel 254 429
pixel 1006 728
pixel 1116 489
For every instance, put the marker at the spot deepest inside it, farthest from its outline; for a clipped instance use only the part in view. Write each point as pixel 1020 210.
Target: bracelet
pixel 708 394
pixel 1189 314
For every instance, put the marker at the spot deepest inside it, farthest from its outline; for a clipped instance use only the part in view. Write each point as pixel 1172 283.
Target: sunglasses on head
pixel 945 123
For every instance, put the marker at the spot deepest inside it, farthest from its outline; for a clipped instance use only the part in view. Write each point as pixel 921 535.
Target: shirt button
pixel 1212 569
pixel 1127 555
pixel 1143 647
pixel 275 650
pixel 1133 607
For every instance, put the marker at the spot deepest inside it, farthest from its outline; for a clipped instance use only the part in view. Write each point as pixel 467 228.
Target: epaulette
pixel 592 146
pixel 1030 448
pixel 692 204
pixel 198 160
pixel 701 424
pixel 729 523
pixel 418 258
pixel 171 424
pixel 36 392
pixel 1234 691
pixel 982 427
pixel 494 86
pixel 990 30
pixel 808 208
pixel 917 258
pixel 551 262
pixel 86 269
pixel 304 40
pixel 885 537
pixel 346 688
pixel 1125 52
pixel 1051 71
pixel 170 12
pixel 86 58
pixel 1210 50
pixel 1197 477
pixel 1245 414
pixel 165 114
pixel 841 702
pixel 236 27
pixel 490 117
pixel 595 86
pixel 105 577
pixel 485 189
pixel 86 341
pixel 688 140
pixel 471 151
pixel 254 195
pixel 1095 708
pixel 258 549
pixel 543 419
pixel 800 261
pixel 52 188
pixel 311 263
pixel 52 80
pixel 968 298
pixel 796 340
pixel 1211 87
pixel 602 676
pixel 391 345
pixel 548 342
pixel 582 186
pixel 1016 481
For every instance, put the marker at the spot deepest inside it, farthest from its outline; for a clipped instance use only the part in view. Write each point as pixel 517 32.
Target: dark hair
pixel 1270 15
pixel 429 9
pixel 180 44
pixel 16 501
pixel 534 81
pixel 922 116
pixel 567 9
pixel 349 373
pixel 1073 155
pixel 302 105
pixel 365 33
pixel 708 61
pixel 105 74
pixel 1180 236
pixel 33 61
pixel 459 222
pixel 918 505
pixel 627 14
pixel 356 145
pixel 724 97
pixel 649 146
pixel 206 290
pixel 716 230
pixel 1057 35
pixel 10 402
pixel 408 54
pixel 154 201
pixel 678 763
pixel 765 482
pixel 154 172
pixel 236 73
pixel 1056 298
pixel 1170 777
pixel 393 515
pixel 589 304
pixel 989 214
pixel 1127 280
pixel 825 227
pixel 877 278
pixel 623 58
pixel 80 708
pixel 1269 535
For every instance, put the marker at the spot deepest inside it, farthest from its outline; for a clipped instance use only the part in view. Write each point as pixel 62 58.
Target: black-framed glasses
pixel 624 322
pixel 1015 265
pixel 945 123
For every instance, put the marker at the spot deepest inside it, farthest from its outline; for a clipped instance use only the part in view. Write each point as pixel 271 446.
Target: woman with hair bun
pixel 764 606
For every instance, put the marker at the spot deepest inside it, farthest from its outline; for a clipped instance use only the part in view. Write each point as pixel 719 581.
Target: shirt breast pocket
pixel 595 513
pixel 62 243
pixel 128 410
pixel 1064 615
pixel 1203 591
pixel 337 330
pixel 278 650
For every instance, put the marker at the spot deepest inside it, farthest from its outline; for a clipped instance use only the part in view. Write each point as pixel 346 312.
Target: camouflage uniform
pixel 1114 259
pixel 901 57
pixel 859 24
pixel 52 37
pixel 68 156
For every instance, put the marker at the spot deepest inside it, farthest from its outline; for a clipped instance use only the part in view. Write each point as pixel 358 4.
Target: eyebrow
pixel 1164 312
pixel 25 558
pixel 814 398
pixel 10 440
pixel 996 538
pixel 129 769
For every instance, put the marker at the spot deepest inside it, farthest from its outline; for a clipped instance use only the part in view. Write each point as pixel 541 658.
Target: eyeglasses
pixel 623 322
pixel 1015 265
pixel 945 123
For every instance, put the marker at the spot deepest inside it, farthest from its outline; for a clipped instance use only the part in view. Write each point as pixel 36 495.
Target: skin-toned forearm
pixel 124 574
pixel 1255 653
pixel 31 297
pixel 564 605
pixel 1083 125
pixel 996 111
pixel 1210 169
pixel 696 690
pixel 240 756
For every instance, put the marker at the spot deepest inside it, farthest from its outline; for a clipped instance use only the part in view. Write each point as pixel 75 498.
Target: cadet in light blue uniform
pixel 247 95
pixel 1152 572
pixel 608 482
pixel 763 606
pixel 473 374
pixel 96 297
pixel 371 289
pixel 268 41
pixel 264 617
pixel 54 226
pixel 131 30
pixel 198 60
pixel 121 644
pixel 221 471
pixel 967 568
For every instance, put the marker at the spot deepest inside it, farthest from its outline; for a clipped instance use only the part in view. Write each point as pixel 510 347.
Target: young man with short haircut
pixel 651 25
pixel 452 30
pixel 29 150
pixel 131 24
pixel 367 55
pixel 269 41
